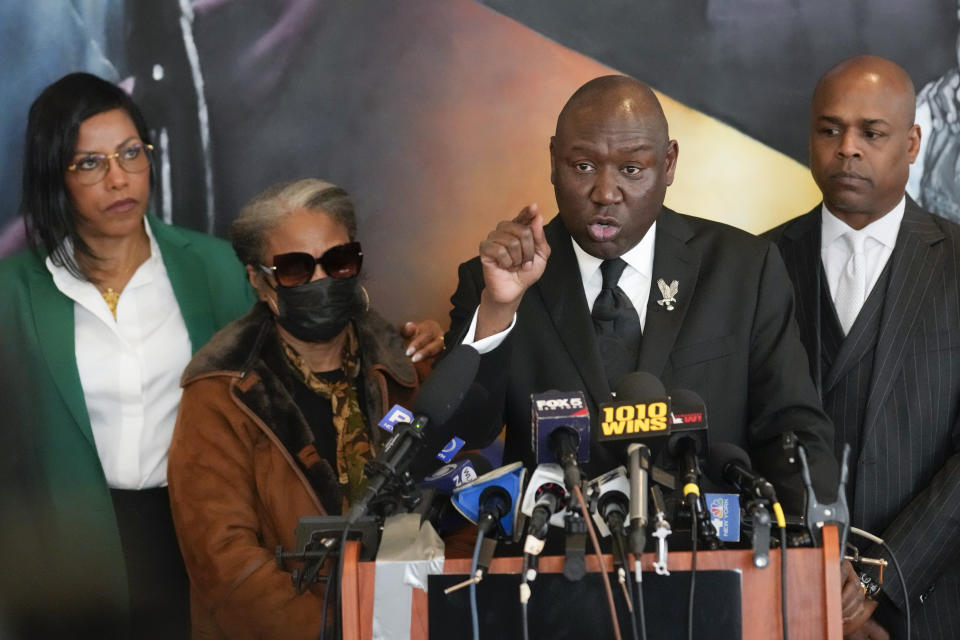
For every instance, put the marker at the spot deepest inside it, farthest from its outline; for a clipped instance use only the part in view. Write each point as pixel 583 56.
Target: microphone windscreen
pixel 720 456
pixel 639 386
pixel 681 399
pixel 443 390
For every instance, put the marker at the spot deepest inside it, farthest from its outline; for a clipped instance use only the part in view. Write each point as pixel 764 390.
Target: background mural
pixel 436 115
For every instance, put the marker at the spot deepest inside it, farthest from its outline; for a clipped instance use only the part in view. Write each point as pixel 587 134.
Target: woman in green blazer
pixel 97 321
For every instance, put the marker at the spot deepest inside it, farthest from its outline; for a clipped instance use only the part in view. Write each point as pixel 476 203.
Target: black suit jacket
pixel 908 468
pixel 731 338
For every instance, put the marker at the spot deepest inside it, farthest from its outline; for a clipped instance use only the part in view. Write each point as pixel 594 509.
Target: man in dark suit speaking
pixel 617 283
pixel 877 284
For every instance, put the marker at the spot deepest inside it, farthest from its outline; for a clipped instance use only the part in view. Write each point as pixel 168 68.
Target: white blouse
pixel 130 369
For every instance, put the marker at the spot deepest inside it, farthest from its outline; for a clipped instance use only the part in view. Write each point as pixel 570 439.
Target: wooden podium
pixel 813 588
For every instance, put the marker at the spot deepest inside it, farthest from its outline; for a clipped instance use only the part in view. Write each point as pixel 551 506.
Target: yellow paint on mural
pixel 725 175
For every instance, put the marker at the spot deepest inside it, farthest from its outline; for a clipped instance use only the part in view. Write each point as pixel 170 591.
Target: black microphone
pixel 438 399
pixel 561 431
pixel 687 443
pixel 688 440
pixel 728 463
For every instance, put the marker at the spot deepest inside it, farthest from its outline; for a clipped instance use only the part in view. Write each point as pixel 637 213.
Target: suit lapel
pixel 673 260
pixel 801 253
pixel 916 263
pixel 55 334
pixel 562 294
pixel 186 272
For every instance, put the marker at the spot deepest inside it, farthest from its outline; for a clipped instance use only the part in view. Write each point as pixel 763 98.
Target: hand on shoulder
pixel 423 340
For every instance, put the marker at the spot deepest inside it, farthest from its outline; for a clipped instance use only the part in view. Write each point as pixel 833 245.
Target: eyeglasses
pixel 92 167
pixel 292 269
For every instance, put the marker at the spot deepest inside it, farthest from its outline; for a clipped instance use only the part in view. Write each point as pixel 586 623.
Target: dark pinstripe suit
pixel 907 465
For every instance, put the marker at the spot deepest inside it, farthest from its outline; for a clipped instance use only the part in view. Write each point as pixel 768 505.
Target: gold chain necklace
pixel 112 296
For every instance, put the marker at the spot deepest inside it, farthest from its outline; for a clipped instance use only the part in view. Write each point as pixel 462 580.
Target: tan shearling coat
pixel 237 491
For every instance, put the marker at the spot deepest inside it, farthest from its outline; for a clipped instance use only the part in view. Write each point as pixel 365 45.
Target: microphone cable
pixel 783 574
pixel 620 549
pixel 333 584
pixel 525 593
pixel 639 602
pixel 338 602
pixel 474 618
pixel 596 548
pixel 693 570
pixel 326 606
pixel 903 583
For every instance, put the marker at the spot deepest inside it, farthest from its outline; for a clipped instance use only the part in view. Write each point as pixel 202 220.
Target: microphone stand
pixel 760 534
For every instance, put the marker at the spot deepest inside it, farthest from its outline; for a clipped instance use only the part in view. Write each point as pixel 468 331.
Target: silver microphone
pixel 639 479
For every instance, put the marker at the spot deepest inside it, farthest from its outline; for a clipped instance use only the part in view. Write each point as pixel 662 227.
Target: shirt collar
pixel 639 256
pixel 884 229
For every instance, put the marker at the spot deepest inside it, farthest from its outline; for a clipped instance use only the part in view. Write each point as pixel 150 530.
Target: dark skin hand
pixel 870 630
pixel 856 608
pixel 513 256
pixel 423 339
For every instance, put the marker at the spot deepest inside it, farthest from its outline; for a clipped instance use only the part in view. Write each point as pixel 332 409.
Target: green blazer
pixel 59 528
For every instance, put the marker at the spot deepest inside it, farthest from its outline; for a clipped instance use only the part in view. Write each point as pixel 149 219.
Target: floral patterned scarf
pixel 354 448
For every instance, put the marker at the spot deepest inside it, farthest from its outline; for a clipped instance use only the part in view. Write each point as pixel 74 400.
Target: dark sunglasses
pixel 296 268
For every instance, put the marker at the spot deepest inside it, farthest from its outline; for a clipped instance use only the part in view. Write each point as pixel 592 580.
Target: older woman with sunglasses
pixel 99 320
pixel 280 411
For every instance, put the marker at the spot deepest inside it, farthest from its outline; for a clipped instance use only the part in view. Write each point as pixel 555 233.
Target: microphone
pixel 641 411
pixel 544 503
pixel 438 399
pixel 688 440
pixel 561 431
pixel 492 500
pixel 639 486
pixel 466 469
pixel 609 493
pixel 436 488
pixel 730 464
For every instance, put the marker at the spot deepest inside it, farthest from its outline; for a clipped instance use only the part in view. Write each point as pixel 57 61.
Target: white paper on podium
pixel 408 554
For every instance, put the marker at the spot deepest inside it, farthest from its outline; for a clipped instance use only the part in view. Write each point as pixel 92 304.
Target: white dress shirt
pixel 130 369
pixel 634 282
pixel 881 236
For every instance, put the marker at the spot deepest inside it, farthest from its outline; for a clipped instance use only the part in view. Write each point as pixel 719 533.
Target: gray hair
pixel 267 209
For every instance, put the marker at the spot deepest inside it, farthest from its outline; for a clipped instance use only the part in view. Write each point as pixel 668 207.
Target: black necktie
pixel 616 324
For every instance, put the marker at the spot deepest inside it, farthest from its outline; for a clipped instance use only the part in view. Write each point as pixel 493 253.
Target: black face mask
pixel 318 311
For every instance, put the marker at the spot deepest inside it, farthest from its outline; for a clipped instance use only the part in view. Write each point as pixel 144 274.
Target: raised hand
pixel 513 256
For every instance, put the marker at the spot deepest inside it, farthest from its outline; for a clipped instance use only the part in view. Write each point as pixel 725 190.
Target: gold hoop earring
pixel 366 299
